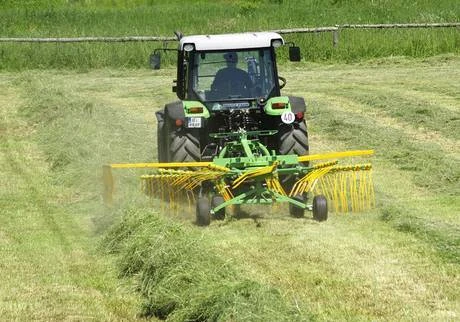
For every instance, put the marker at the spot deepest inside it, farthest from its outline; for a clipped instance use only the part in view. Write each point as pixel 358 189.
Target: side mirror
pixel 294 53
pixel 155 60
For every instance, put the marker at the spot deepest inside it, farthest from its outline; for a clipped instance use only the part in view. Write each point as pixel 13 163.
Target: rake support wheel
pixel 217 201
pixel 203 214
pixel 295 211
pixel 319 208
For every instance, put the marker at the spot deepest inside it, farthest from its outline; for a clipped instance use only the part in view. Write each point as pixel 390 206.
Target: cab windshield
pixel 228 75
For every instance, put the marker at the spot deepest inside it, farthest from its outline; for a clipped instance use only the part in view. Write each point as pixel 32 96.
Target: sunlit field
pixel 63 249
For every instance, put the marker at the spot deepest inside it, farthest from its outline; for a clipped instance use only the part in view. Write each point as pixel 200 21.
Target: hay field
pixel 63 250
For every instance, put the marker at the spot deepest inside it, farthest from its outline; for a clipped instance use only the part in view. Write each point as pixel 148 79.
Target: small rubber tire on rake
pixel 215 202
pixel 295 211
pixel 319 208
pixel 203 212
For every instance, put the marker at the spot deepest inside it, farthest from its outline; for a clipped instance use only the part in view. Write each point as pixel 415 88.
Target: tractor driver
pixel 232 81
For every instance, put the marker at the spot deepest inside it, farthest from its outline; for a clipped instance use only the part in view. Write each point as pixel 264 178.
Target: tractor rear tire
pixel 184 145
pixel 203 214
pixel 217 201
pixel 319 208
pixel 293 138
pixel 295 211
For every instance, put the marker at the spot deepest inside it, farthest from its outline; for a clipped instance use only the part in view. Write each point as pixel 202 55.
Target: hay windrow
pixel 181 277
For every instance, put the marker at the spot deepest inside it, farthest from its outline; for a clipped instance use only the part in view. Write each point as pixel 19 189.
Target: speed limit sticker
pixel 287 117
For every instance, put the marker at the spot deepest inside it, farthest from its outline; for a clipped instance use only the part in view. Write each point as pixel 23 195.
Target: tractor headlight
pixel 277 43
pixel 189 47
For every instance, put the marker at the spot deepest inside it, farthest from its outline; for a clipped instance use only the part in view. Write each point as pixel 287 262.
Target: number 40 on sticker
pixel 287 117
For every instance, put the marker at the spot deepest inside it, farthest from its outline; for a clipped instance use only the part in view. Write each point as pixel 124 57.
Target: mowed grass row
pixel 63 18
pixel 399 261
pixel 415 134
pixel 50 267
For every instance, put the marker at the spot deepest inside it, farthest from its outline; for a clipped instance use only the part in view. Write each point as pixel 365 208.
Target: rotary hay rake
pixel 245 172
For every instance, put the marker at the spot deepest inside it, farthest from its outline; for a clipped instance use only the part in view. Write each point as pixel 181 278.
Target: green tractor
pixel 232 139
pixel 226 84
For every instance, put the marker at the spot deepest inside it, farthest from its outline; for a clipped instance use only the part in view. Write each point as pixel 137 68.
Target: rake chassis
pixel 245 172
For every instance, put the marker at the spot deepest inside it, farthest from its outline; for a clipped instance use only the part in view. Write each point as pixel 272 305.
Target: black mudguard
pixel 165 118
pixel 161 146
pixel 175 111
pixel 297 104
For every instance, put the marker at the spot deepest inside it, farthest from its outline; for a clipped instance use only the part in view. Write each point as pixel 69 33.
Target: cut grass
pixel 397 262
pixel 181 277
pixel 346 110
pixel 341 114
pixel 351 267
pixel 428 163
pixel 50 270
pixel 409 107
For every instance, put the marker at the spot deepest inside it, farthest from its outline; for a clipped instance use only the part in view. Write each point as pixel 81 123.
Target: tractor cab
pixel 226 84
pixel 232 75
pixel 230 67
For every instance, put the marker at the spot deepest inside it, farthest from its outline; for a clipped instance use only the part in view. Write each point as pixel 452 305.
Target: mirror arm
pixel 155 57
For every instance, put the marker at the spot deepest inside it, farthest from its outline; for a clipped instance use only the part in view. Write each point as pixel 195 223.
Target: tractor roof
pixel 231 41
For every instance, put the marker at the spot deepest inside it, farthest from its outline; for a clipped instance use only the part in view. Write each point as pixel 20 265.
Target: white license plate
pixel 194 122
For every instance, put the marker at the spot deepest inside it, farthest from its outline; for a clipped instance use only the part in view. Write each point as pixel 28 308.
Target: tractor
pixel 233 139
pixel 227 83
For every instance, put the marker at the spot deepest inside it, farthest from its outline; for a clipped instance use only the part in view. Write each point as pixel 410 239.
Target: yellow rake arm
pixel 179 179
pixel 347 187
pixel 335 155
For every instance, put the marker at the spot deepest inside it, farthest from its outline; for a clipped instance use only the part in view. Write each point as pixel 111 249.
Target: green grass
pixel 50 269
pixel 399 261
pixel 62 18
pixel 412 129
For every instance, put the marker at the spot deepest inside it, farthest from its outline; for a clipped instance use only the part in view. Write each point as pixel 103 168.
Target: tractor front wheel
pixel 203 214
pixel 319 208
